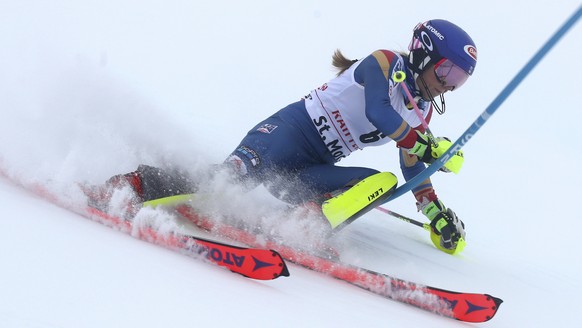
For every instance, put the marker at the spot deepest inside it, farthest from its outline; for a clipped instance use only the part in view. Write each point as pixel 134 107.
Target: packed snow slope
pixel 93 88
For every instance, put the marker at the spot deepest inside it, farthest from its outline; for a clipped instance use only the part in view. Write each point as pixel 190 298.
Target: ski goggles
pixel 450 74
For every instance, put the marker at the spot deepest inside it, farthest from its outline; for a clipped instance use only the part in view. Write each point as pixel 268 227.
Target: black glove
pixel 422 148
pixel 447 231
pixel 449 228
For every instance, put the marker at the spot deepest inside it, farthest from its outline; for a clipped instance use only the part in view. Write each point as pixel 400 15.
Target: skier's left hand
pixel 447 231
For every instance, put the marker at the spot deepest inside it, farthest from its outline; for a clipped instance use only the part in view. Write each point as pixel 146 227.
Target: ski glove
pixel 422 148
pixel 428 151
pixel 447 231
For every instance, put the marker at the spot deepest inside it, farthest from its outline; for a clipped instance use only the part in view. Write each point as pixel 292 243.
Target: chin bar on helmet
pixel 441 109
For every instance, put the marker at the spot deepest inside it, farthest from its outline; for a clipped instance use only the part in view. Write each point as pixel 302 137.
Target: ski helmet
pixel 438 39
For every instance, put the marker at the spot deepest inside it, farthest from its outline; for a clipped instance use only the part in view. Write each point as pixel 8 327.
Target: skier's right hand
pixel 447 231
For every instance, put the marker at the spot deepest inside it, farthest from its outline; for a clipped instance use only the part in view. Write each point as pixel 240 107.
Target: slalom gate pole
pixel 490 110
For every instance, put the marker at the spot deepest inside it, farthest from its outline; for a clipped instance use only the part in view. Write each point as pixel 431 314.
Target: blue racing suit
pixel 292 154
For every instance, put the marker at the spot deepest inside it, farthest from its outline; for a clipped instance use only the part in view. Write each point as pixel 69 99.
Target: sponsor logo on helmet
pixel 426 40
pixel 435 32
pixel 471 51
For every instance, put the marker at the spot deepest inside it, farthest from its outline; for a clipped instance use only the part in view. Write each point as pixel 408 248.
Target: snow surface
pixel 93 88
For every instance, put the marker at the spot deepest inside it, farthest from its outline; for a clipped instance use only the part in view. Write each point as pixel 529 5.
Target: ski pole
pixel 460 244
pixel 426 226
pixel 399 77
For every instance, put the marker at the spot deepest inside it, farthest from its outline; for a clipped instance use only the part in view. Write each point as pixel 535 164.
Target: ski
pixel 468 307
pixel 256 263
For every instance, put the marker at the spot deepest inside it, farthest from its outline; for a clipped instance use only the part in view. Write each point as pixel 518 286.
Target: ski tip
pixel 497 301
pixel 284 270
pixel 475 308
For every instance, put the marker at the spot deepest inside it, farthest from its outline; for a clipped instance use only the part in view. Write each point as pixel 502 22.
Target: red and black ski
pixel 469 307
pixel 255 263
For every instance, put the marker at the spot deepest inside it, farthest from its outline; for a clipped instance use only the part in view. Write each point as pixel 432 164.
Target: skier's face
pixel 430 86
pixel 441 77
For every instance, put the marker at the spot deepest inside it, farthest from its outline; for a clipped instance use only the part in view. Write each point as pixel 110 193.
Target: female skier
pixel 294 151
